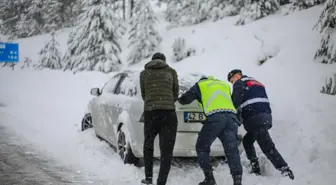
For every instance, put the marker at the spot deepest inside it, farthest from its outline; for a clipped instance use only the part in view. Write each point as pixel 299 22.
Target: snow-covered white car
pixel 116 115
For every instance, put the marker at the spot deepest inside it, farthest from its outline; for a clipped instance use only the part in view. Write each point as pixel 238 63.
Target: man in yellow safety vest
pixel 221 122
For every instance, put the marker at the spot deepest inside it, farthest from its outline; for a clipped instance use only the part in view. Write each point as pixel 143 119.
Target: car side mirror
pixel 95 92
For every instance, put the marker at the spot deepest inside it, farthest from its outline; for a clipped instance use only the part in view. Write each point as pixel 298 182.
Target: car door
pixel 124 91
pixel 107 93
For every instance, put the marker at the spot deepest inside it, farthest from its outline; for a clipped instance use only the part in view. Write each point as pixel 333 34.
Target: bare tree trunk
pixel 124 9
pixel 132 7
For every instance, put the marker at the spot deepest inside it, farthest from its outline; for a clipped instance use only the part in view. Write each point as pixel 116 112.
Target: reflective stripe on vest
pixel 251 101
pixel 216 96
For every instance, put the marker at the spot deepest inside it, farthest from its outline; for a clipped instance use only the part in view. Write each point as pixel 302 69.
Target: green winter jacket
pixel 159 86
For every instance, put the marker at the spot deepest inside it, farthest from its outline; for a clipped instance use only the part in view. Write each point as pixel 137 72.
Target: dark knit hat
pixel 159 56
pixel 233 72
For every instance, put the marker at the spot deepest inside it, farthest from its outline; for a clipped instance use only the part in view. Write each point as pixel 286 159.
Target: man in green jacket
pixel 159 89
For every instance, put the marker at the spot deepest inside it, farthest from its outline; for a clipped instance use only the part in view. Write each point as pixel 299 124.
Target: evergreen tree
pixel 172 14
pixel 26 63
pixel 257 9
pixel 10 12
pixel 94 46
pixel 194 11
pixel 143 36
pixel 298 5
pixel 31 22
pixel 50 55
pixel 54 14
pixel 327 26
pixel 284 2
pixel 330 85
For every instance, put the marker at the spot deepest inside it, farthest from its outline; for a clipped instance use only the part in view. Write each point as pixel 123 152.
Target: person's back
pixel 255 100
pixel 159 86
pixel 159 90
pixel 221 122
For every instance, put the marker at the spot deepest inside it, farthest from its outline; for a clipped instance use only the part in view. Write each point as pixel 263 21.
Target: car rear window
pixel 187 81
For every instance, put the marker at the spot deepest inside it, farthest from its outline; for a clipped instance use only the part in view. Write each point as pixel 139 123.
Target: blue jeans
pixel 224 127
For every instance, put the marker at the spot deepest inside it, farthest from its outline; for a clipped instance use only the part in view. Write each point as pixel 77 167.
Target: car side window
pixel 111 84
pixel 127 87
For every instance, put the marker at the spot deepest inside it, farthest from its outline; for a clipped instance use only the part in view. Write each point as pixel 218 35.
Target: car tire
pixel 86 122
pixel 123 148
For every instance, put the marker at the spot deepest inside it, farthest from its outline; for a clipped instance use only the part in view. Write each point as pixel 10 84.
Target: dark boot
pixel 209 179
pixel 147 181
pixel 286 171
pixel 237 179
pixel 255 168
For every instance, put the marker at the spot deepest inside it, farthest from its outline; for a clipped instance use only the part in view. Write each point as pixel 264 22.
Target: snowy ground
pixel 44 108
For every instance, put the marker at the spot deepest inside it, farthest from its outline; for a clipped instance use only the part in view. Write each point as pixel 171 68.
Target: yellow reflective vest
pixel 216 96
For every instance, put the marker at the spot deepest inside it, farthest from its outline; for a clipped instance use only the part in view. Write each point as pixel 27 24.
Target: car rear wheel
pixel 87 122
pixel 124 148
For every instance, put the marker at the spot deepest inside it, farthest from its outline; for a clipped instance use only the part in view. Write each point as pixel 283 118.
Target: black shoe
pixel 237 179
pixel 286 171
pixel 208 182
pixel 255 168
pixel 148 181
pixel 209 179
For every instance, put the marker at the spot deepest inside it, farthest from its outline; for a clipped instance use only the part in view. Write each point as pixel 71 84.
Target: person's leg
pixel 248 143
pixel 150 132
pixel 229 140
pixel 206 137
pixel 268 148
pixel 167 143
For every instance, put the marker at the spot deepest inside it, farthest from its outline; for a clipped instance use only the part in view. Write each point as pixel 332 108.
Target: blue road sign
pixel 9 52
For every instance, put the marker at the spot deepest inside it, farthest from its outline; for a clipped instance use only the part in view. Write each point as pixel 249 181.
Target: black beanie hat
pixel 233 72
pixel 159 56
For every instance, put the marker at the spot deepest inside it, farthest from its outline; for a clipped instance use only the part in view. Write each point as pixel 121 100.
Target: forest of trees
pixel 100 25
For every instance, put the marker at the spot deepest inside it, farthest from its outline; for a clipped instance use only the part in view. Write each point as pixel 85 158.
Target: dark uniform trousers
pixel 224 127
pixel 264 140
pixel 164 124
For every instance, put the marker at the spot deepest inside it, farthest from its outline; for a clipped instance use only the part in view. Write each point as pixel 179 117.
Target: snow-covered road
pixel 24 165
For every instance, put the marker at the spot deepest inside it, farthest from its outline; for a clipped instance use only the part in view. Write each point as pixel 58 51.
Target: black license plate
pixel 190 117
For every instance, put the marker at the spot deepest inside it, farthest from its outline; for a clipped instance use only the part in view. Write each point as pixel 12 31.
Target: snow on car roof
pixel 186 80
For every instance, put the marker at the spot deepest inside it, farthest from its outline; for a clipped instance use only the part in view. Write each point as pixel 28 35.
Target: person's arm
pixel 237 93
pixel 176 86
pixel 192 94
pixel 142 85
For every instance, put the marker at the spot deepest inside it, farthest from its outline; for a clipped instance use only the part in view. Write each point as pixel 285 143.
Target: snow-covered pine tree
pixel 194 11
pixel 26 63
pixel 172 14
pixel 31 22
pixel 94 45
pixel 284 2
pixel 327 26
pixel 143 36
pixel 60 13
pixel 50 55
pixel 330 85
pixel 298 5
pixel 218 9
pixel 257 9
pixel 10 12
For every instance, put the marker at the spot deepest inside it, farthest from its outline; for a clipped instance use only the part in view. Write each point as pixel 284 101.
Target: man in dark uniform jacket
pixel 251 101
